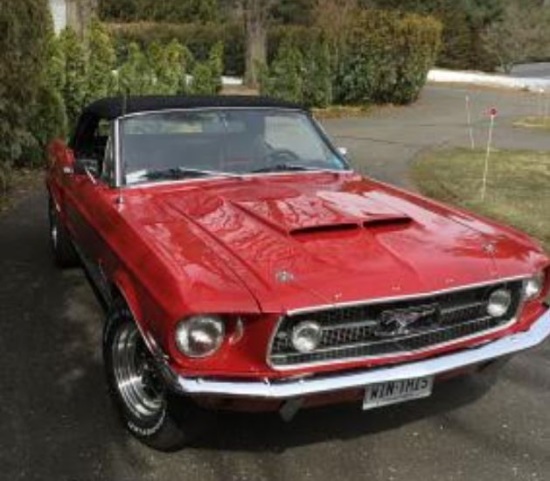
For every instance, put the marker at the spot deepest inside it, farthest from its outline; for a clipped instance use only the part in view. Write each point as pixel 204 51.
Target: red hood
pixel 301 240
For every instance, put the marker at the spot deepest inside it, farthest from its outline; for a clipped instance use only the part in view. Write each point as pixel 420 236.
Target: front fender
pixel 125 288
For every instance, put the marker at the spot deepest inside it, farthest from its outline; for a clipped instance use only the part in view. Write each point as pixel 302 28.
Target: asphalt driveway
pixel 57 423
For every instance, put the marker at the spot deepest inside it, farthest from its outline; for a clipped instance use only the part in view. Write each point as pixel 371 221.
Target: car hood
pixel 297 241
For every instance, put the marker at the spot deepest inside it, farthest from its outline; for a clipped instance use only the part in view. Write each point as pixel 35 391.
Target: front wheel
pixel 63 250
pixel 150 411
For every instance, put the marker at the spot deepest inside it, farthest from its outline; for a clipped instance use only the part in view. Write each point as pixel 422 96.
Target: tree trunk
pixel 79 15
pixel 255 16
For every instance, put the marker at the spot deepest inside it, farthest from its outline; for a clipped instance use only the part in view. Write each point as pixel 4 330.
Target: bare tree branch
pixel 521 35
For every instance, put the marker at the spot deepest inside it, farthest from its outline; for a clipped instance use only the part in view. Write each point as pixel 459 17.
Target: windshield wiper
pixel 178 173
pixel 284 167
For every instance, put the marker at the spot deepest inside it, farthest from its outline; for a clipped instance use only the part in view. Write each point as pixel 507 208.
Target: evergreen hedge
pixel 197 37
pixel 300 73
pixel 464 22
pixel 26 27
pixel 76 70
pixel 383 57
pixel 87 70
pixel 159 10
pixel 100 78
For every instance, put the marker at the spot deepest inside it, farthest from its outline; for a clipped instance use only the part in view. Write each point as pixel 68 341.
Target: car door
pixel 89 210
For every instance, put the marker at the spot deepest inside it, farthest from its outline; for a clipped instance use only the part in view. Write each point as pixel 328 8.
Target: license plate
pixel 394 392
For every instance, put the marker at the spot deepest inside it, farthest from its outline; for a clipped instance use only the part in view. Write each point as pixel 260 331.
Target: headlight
pixel 306 336
pixel 499 303
pixel 532 288
pixel 200 336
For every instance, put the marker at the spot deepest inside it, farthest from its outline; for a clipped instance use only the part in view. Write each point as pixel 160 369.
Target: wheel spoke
pixel 133 369
pixel 54 230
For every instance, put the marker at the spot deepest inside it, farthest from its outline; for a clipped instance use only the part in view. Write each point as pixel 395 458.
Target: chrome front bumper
pixel 287 389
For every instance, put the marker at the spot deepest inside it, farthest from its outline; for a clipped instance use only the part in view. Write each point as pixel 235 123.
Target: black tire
pixel 64 253
pixel 162 420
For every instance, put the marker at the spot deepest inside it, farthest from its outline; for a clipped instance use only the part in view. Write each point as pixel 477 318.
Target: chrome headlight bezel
pixel 306 336
pixel 499 303
pixel 188 334
pixel 533 287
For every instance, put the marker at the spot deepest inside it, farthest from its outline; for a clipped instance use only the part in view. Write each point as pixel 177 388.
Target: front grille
pixel 367 330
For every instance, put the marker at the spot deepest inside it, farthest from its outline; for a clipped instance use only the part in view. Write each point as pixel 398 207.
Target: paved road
pixel 384 144
pixel 539 70
pixel 56 421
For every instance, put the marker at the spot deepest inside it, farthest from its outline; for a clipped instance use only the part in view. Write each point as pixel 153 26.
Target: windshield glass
pixel 229 142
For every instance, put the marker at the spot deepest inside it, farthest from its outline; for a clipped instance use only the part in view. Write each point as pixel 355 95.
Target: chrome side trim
pixel 538 332
pixel 117 151
pixel 207 108
pixel 191 182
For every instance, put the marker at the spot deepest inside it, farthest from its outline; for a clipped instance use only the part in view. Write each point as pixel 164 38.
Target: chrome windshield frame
pixel 119 147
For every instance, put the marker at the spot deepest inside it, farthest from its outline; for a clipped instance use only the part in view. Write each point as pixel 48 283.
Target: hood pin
pixel 284 277
pixel 490 248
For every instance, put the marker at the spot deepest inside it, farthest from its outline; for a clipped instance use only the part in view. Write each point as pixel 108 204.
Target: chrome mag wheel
pixel 136 376
pixel 54 228
pixel 60 241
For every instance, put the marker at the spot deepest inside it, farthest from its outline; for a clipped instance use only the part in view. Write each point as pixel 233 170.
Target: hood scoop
pixel 372 222
pixel 386 220
pixel 324 229
pixel 307 216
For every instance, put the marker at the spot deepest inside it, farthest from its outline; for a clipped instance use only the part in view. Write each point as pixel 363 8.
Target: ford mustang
pixel 244 265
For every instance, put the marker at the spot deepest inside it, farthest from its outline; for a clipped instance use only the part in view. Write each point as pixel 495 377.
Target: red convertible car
pixel 245 266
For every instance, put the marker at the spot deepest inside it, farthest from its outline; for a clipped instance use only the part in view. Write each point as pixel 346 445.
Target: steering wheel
pixel 282 156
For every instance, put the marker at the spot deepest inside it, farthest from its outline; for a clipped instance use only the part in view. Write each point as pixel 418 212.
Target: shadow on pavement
pixel 268 432
pixel 56 421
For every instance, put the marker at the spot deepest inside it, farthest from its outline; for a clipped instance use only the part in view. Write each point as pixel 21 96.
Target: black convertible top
pixel 114 107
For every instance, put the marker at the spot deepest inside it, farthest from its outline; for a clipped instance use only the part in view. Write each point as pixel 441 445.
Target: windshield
pixel 228 142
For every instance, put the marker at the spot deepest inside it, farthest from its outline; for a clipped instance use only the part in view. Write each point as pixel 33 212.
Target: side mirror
pixel 85 166
pixel 343 151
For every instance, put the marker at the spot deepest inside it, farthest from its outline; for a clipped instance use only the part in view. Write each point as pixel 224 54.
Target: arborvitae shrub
pixel 74 91
pixel 284 78
pixel 101 63
pixel 199 38
pixel 48 121
pixel 206 76
pixel 135 76
pixel 385 57
pixel 215 62
pixel 172 68
pixel 24 27
pixel 318 91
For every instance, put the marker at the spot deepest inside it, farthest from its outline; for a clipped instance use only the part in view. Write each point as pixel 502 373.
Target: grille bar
pixel 352 332
pixel 403 339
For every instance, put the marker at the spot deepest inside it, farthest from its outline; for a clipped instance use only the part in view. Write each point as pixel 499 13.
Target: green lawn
pixel 518 188
pixel 534 123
